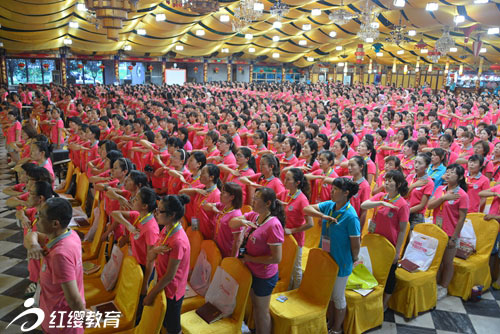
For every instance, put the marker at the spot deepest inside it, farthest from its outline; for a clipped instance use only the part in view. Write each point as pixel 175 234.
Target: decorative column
pixel 205 70
pixel 479 72
pixel 116 65
pixel 417 73
pixel 361 74
pixel 163 69
pixel 3 69
pixel 388 81
pixel 229 71
pixel 64 80
pixel 251 72
pixel 283 74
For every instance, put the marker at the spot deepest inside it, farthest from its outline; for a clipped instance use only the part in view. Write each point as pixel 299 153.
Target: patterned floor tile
pixel 423 320
pixel 451 304
pixel 405 329
pixel 451 321
pixel 485 325
pixel 484 307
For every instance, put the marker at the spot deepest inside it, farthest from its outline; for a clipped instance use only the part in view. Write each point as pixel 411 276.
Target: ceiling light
pixel 141 32
pixel 251 49
pixel 277 25
pixel 200 32
pixel 276 55
pixel 338 47
pixel 127 47
pixel 258 6
pixel 480 1
pixel 483 50
pixel 67 41
pixel 306 27
pixel 380 54
pixel 276 38
pixel 224 18
pixel 310 59
pixel 400 52
pixel 160 17
pixel 453 49
pixel 399 3
pixel 432 6
pixel 316 12
pixel 375 25
pixel 424 51
pixel 225 50
pixel 412 32
pixel 492 31
pixel 81 7
pixel 73 24
pixel 340 64
pixel 369 40
pixel 248 36
pixel 459 19
pixel 1 44
pixel 333 34
pixel 302 42
pixel 179 47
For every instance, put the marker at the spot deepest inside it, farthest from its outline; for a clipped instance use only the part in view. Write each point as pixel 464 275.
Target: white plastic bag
pixel 421 250
pixel 364 258
pixel 90 234
pixel 200 278
pixel 467 238
pixel 111 270
pixel 222 292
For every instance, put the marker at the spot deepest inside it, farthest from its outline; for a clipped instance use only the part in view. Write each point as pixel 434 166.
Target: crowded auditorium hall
pixel 249 166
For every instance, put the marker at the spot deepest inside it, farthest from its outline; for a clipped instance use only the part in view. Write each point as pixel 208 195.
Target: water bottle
pixel 194 224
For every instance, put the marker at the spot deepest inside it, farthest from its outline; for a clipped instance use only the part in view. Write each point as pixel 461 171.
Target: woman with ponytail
pixel 367 152
pixel 295 199
pixel 170 257
pixel 390 218
pixel 246 167
pixel 357 170
pixel 261 250
pixel 340 150
pixel 291 148
pixel 40 153
pixel 450 204
pixel 320 189
pixel 269 176
pixel 340 237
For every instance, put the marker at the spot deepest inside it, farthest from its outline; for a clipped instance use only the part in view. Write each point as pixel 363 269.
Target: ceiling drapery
pixel 39 25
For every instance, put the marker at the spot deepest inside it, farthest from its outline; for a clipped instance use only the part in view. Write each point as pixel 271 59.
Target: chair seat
pixel 95 293
pixel 418 278
pixel 473 271
pixel 192 323
pixel 192 303
pixel 356 320
pixel 87 252
pixel 298 308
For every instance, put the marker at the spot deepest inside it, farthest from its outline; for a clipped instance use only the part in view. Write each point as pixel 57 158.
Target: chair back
pixel 82 189
pixel 369 215
pixel 195 239
pixel 313 235
pixel 435 232
pixel 405 241
pixel 96 242
pixel 214 256
pixel 128 287
pixel 486 233
pixel 289 253
pixel 69 175
pixel 319 278
pixel 95 203
pixel 382 254
pixel 242 275
pixel 152 316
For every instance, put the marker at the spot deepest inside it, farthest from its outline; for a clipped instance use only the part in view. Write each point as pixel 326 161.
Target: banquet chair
pixel 192 323
pixel 90 249
pixel 195 239
pixel 91 220
pixel 125 295
pixel 369 215
pixel 69 175
pixel 475 270
pixel 381 256
pixel 214 257
pixel 417 292
pixel 304 311
pixel 312 238
pixel 82 189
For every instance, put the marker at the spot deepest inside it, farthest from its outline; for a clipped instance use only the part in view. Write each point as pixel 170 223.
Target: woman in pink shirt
pixel 170 257
pixel 421 187
pixel 40 153
pixel 292 149
pixel 476 182
pixel 367 152
pixel 261 251
pixel 231 200
pixel 450 204
pixel 357 170
pixel 13 134
pixel 56 130
pixel 390 218
pixel 246 167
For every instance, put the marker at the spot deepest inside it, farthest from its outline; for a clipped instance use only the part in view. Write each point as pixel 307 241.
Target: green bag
pixel 361 278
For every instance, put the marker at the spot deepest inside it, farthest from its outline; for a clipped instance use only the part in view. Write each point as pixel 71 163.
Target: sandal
pixel 30 290
pixel 331 331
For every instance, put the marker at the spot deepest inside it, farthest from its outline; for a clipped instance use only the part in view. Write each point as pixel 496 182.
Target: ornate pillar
pixel 64 80
pixel 251 72
pixel 229 71
pixel 163 69
pixel 3 69
pixel 116 65
pixel 205 70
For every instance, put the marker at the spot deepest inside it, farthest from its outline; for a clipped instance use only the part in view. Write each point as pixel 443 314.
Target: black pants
pixel 391 280
pixel 172 320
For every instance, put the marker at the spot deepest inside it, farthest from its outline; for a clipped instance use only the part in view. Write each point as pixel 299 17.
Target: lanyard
pixel 219 218
pixel 251 230
pixel 469 178
pixel 266 181
pixel 170 233
pixel 321 182
pixel 406 162
pixel 386 200
pixel 292 197
pixel 196 178
pixel 141 219
pixel 339 215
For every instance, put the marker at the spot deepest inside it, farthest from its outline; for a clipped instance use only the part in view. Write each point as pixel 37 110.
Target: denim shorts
pixel 264 286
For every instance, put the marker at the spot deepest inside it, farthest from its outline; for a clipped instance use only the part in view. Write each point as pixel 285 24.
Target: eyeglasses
pixel 222 142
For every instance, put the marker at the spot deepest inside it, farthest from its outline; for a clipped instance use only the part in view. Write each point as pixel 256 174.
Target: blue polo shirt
pixel 340 233
pixel 436 175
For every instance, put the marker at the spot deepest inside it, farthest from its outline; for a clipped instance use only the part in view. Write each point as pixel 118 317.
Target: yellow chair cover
pixel 69 175
pixel 214 258
pixel 195 239
pixel 128 290
pixel 82 190
pixel 90 249
pixel 192 323
pixel 305 310
pixel 475 270
pixel 95 203
pixel 417 292
pixel 285 267
pixel 358 307
pixel 369 215
pixel 312 238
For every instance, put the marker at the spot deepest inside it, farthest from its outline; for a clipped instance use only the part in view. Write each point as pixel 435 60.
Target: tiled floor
pixel 451 315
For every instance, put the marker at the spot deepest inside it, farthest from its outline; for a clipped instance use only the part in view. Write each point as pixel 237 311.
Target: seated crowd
pixel 247 165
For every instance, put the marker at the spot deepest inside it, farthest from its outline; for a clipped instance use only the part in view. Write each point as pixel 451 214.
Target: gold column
pixel 229 74
pixel 116 64
pixel 63 71
pixel 3 70
pixel 251 73
pixel 205 72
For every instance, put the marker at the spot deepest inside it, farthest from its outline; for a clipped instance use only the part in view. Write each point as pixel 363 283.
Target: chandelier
pixel 369 26
pixel 397 34
pixel 341 16
pixel 434 55
pixel 445 42
pixel 249 11
pixel 279 9
pixel 108 14
pixel 201 6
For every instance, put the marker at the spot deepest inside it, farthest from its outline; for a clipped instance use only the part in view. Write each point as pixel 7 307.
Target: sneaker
pixel 441 292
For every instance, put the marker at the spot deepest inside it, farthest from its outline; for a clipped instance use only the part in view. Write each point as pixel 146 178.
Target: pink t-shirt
pixel 180 250
pixel 274 183
pixel 417 193
pixel 224 235
pixel 206 219
pixel 387 220
pixel 11 133
pixel 54 132
pixel 268 234
pixel 243 172
pixel 62 264
pixel 294 211
pixel 449 210
pixel 362 195
pixel 148 236
pixel 495 205
pixel 474 186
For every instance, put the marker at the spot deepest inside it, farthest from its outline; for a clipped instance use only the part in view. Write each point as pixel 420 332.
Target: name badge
pixel 475 186
pixel 325 243
pixel 371 226
pixel 439 221
pixel 44 267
